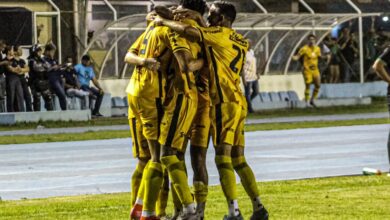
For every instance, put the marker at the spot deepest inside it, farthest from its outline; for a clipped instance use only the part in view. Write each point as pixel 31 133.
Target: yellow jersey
pixel 310 57
pixel 226 50
pixel 155 42
pixel 184 83
pixel 201 76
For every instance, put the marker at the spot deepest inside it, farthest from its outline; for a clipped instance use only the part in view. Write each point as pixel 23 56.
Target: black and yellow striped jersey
pixel 155 42
pixel 226 50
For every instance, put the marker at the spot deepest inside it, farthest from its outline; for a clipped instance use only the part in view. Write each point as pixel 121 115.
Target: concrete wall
pixel 275 83
pixel 278 83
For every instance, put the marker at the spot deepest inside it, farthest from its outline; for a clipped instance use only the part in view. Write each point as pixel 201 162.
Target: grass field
pixel 357 197
pixel 378 105
pixel 100 135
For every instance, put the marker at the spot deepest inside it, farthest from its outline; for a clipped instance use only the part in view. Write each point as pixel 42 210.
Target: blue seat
pixel 274 97
pixel 264 97
pixel 118 102
pixel 284 96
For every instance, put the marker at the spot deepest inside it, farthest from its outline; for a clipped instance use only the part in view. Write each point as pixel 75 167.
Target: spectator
pixel 23 77
pixel 54 74
pixel 3 63
pixel 72 85
pixel 15 100
pixel 349 52
pixel 85 75
pixel 250 78
pixel 39 82
pixel 335 61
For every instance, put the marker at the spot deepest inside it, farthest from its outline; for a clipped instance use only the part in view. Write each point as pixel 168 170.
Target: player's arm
pixel 379 67
pixel 149 63
pixel 186 30
pixel 133 58
pixel 296 57
pixel 195 65
pixel 185 13
pixel 299 55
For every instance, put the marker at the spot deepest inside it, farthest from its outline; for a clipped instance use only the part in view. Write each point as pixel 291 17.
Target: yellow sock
pixel 177 174
pixel 136 180
pixel 315 93
pixel 247 177
pixel 141 190
pixel 175 199
pixel 200 192
pixel 162 200
pixel 227 176
pixel 307 94
pixel 153 181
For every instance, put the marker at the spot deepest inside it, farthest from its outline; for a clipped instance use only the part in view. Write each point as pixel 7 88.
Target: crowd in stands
pixel 343 65
pixel 23 83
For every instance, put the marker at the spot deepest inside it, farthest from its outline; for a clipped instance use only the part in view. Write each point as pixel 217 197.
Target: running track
pixel 94 167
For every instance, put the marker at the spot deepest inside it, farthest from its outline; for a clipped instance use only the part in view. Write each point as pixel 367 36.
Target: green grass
pixel 357 197
pixel 378 105
pixel 59 124
pixel 100 135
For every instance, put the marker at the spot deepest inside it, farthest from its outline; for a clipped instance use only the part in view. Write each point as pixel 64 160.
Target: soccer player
pixel 140 143
pixel 381 67
pixel 200 128
pixel 311 74
pixel 146 93
pixel 225 54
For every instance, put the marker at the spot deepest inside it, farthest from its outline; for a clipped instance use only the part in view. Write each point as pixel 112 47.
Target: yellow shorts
pixel 310 75
pixel 149 111
pixel 177 120
pixel 228 121
pixel 200 132
pixel 139 142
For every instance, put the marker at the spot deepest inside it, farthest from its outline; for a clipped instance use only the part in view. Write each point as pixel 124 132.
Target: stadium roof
pixel 292 27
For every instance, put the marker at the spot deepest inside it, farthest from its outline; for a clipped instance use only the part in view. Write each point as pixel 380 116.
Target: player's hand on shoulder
pixel 180 14
pixel 158 21
pixel 151 64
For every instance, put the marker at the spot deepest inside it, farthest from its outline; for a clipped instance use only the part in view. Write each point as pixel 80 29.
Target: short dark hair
pixel 35 48
pixel 311 35
pixel 7 49
pixel 16 47
pixel 226 9
pixel 85 58
pixel 50 46
pixel 195 5
pixel 2 41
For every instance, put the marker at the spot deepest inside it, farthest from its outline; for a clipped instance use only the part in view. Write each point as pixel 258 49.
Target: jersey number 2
pixel 240 54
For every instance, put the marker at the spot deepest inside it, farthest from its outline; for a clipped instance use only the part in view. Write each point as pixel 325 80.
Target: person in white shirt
pixel 250 78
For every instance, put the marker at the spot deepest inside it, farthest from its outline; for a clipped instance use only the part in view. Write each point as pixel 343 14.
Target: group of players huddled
pixel 186 86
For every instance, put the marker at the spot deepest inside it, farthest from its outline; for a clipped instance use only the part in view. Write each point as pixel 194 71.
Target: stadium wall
pixel 279 83
pixel 35 6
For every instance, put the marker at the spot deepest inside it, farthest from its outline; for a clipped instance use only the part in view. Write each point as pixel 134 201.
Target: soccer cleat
pixel 189 216
pixel 229 217
pixel 200 210
pixel 150 218
pixel 165 217
pixel 136 212
pixel 313 104
pixel 261 214
pixel 176 214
